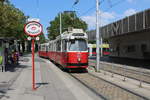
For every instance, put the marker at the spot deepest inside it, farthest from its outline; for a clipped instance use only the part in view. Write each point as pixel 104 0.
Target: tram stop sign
pixel 33 28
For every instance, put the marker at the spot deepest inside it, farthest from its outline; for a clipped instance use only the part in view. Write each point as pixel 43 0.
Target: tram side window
pixel 58 46
pixel 93 49
pixel 64 45
pixel 106 49
pixel 54 46
pixel 40 48
pixel 46 48
pixel 143 47
pixel 49 47
pixel 43 48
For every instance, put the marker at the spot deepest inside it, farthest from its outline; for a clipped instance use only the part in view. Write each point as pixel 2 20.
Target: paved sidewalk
pixel 7 78
pixel 51 83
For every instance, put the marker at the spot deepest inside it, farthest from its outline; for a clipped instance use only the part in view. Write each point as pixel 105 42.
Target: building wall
pixel 91 35
pixel 137 22
pixel 135 45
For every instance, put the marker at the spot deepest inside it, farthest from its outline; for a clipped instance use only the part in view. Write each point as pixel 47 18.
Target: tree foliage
pixel 42 38
pixel 68 20
pixel 12 21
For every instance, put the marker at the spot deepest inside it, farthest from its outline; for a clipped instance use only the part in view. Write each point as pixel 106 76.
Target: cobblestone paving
pixel 107 90
pixel 143 76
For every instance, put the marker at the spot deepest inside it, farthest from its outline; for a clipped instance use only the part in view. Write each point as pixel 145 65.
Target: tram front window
pixel 77 45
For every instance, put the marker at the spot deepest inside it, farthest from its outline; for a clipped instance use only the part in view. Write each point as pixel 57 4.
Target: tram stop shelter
pixel 5 50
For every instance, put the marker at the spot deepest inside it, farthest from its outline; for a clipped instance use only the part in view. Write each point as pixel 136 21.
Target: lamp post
pixel 97 36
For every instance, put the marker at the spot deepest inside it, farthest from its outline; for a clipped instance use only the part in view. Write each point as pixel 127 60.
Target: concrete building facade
pixel 129 37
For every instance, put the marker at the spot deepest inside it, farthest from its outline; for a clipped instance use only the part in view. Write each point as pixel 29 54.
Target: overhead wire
pixel 84 13
pixel 101 2
pixel 37 4
pixel 110 3
pixel 115 4
pixel 87 11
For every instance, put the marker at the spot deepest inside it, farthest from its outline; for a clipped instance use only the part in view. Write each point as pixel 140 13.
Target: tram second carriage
pixel 92 49
pixel 73 53
pixel 43 50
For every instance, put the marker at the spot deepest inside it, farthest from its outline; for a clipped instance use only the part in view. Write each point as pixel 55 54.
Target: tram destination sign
pixel 33 28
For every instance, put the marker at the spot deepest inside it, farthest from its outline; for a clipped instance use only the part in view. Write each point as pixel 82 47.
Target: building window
pixel 131 48
pixel 143 47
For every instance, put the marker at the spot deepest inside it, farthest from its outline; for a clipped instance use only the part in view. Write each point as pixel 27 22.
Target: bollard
pixel 140 85
pixel 124 74
pixel 104 69
pixel 97 70
pixel 112 71
pixel 95 67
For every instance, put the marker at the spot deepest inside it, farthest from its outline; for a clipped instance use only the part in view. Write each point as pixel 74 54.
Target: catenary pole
pixel 97 36
pixel 101 46
pixel 60 28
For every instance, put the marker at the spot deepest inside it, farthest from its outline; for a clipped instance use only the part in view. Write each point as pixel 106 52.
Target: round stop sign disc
pixel 33 28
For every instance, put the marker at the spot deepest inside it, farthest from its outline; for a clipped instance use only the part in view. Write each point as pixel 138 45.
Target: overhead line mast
pixel 97 36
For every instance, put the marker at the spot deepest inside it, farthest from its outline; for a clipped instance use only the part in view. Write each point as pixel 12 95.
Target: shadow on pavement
pixel 41 84
pixel 14 67
pixel 3 90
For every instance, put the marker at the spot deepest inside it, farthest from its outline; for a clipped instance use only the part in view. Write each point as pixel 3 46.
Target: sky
pixel 110 10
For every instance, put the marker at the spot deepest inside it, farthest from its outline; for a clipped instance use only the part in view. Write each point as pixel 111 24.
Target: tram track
pixel 105 89
pixel 125 71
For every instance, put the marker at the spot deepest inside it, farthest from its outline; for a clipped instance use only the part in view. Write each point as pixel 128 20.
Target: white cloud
pixel 90 20
pixel 107 15
pixel 105 18
pixel 129 12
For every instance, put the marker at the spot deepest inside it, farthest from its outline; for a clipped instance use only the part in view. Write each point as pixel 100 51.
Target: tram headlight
pixel 79 59
pixel 72 37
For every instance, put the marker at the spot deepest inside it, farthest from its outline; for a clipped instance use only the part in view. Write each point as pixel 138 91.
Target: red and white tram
pixel 70 49
pixel 43 50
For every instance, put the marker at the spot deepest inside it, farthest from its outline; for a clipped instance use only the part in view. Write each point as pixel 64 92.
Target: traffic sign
pixel 33 28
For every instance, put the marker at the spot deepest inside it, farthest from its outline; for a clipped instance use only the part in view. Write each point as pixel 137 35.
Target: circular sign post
pixel 33 29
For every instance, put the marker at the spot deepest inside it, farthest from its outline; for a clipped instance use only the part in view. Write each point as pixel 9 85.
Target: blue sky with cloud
pixel 110 10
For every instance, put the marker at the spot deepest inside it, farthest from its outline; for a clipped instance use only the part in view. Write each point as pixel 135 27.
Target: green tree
pixel 42 38
pixel 12 21
pixel 68 20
